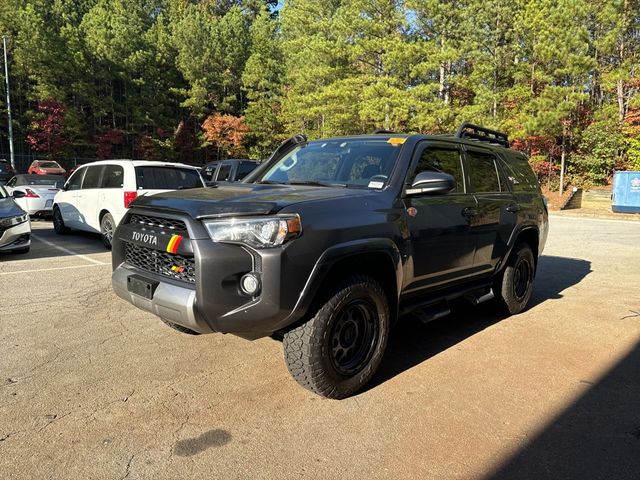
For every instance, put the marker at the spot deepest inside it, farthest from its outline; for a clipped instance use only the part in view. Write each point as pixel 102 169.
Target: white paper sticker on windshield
pixel 375 184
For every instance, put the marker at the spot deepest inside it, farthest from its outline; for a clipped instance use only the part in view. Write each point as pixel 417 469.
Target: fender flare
pixel 512 243
pixel 337 253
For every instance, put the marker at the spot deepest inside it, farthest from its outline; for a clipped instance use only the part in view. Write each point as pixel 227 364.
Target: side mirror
pixel 18 194
pixel 432 183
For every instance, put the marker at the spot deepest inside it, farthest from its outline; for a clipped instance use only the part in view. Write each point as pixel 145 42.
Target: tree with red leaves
pixel 107 141
pixel 47 131
pixel 226 132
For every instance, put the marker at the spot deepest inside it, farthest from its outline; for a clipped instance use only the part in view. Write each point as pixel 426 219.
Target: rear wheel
pixel 107 227
pixel 335 353
pixel 516 283
pixel 58 222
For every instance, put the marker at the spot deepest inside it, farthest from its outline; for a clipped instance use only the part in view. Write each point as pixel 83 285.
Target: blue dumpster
pixel 626 192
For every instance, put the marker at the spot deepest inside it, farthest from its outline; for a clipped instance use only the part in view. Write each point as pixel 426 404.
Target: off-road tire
pixel 310 349
pixel 58 222
pixel 515 285
pixel 179 328
pixel 107 227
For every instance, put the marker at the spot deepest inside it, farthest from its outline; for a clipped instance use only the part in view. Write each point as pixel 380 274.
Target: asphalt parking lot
pixel 91 387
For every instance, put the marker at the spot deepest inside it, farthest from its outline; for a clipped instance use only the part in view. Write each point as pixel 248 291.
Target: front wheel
pixel 107 227
pixel 58 222
pixel 516 283
pixel 335 353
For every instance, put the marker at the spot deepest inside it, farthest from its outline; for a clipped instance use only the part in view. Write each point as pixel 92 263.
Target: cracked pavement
pixel 91 387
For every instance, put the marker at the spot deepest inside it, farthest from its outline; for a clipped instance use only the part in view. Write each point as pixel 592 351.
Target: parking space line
pixel 54 268
pixel 67 251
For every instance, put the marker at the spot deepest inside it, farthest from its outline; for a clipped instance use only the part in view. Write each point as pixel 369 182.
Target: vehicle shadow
pixel 597 437
pixel 413 342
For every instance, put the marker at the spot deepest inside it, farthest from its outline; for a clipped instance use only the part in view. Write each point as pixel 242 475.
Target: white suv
pixel 97 195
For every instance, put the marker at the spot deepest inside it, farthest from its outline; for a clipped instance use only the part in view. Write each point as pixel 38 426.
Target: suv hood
pixel 240 199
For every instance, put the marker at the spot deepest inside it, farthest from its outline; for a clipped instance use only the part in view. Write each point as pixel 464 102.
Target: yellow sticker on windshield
pixel 397 140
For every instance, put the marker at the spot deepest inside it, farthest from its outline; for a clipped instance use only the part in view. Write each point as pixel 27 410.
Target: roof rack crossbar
pixel 482 134
pixel 382 130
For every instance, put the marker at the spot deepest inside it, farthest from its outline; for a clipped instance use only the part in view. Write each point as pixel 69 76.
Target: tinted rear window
pixel 48 165
pixel 167 178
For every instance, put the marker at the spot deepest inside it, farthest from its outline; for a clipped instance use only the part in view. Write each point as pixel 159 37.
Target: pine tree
pixel 262 80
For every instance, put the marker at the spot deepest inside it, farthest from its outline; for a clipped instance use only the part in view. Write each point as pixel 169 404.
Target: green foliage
pixel 559 76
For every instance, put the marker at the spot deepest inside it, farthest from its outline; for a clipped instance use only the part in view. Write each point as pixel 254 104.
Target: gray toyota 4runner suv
pixel 329 241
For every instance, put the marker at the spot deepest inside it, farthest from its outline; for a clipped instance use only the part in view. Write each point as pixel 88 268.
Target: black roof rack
pixel 382 130
pixel 482 134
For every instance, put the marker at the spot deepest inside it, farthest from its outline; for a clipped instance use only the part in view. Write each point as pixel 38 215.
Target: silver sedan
pixel 15 226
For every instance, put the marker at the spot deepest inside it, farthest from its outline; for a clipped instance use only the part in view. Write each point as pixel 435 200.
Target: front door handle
pixel 469 212
pixel 513 208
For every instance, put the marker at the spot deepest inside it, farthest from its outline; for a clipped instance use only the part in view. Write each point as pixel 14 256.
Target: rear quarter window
pixel 520 174
pixel 166 178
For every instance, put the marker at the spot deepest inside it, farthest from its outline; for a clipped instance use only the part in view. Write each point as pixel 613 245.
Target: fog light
pixel 250 284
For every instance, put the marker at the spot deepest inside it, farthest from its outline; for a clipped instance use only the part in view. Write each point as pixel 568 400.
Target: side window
pixel 434 159
pixel 224 173
pixel 113 177
pixel 245 169
pixel 12 182
pixel 76 179
pixel 92 177
pixel 483 172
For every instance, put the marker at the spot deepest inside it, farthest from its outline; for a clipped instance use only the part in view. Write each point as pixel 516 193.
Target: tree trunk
pixel 621 102
pixel 442 80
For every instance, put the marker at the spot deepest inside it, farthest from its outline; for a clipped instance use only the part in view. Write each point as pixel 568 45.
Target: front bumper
pixel 16 237
pixel 214 302
pixel 171 302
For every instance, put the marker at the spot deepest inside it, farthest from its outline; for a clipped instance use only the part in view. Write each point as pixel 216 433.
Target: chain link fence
pixel 68 163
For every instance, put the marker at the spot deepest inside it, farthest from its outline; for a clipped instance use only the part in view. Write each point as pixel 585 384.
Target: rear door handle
pixel 469 212
pixel 513 208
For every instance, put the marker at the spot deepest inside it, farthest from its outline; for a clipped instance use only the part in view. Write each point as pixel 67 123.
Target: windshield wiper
pixel 315 183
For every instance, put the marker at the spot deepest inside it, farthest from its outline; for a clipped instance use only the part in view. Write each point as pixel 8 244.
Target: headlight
pixel 263 232
pixel 12 221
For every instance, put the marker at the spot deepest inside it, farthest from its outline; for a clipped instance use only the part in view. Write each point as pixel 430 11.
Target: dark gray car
pixel 329 241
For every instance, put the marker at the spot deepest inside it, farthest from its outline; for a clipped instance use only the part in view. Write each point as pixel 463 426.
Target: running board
pixel 479 298
pixel 433 312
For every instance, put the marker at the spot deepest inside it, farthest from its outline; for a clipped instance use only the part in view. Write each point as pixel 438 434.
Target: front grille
pixel 157 222
pixel 177 267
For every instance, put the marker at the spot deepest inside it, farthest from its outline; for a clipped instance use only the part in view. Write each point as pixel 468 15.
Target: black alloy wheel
pixel 354 336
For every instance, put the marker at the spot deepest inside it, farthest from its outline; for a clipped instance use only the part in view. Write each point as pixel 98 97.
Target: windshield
pixel 365 163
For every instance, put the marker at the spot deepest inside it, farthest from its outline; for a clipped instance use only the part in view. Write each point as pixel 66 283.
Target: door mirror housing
pixel 432 183
pixel 18 194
